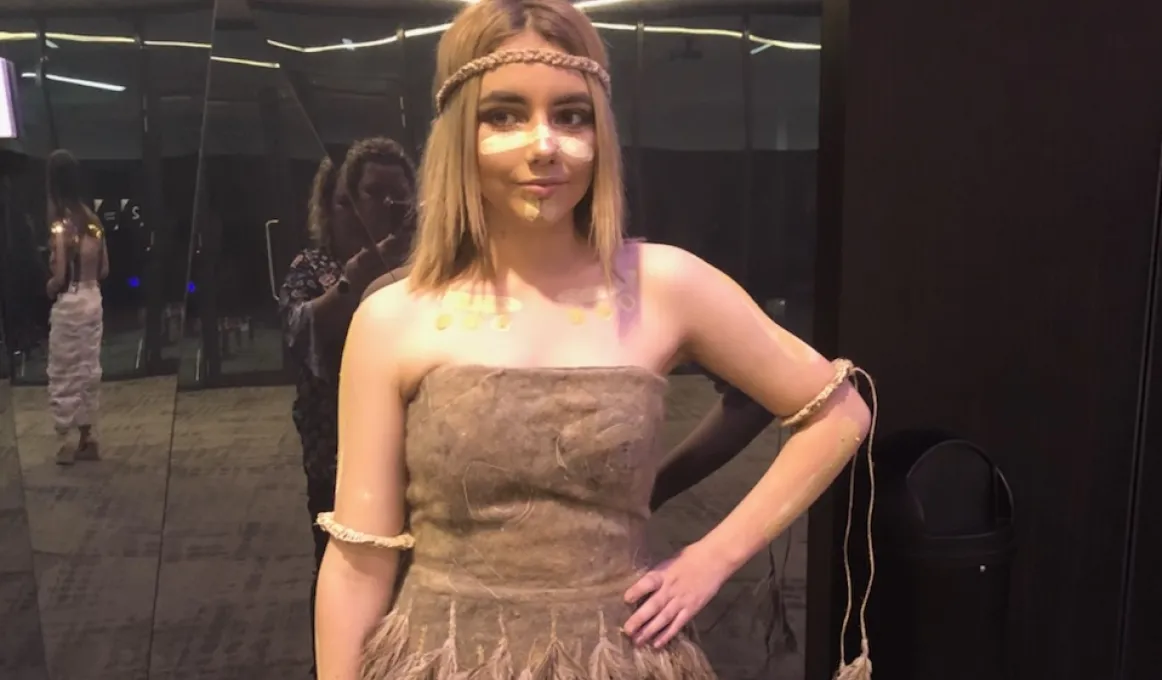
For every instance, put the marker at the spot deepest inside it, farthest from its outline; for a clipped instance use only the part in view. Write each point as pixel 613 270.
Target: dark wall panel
pixel 999 194
pixel 1143 592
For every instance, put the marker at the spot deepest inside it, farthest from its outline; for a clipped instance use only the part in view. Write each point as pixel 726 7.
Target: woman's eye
pixel 500 118
pixel 574 118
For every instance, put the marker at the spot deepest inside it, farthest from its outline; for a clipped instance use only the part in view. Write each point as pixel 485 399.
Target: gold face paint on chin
pixel 531 209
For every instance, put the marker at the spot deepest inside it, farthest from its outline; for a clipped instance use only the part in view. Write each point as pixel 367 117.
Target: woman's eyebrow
pixel 502 97
pixel 574 98
pixel 506 97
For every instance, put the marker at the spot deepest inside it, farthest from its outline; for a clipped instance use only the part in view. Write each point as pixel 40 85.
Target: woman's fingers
pixel 643 615
pixel 645 585
pixel 659 623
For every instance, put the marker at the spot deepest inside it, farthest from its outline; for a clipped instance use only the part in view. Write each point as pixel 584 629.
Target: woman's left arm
pixel 721 328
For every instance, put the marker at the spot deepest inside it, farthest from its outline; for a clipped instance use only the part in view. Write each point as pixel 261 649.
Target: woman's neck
pixel 534 254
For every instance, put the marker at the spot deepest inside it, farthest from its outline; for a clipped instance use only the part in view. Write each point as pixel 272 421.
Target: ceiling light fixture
pixel 177 43
pixel 95 84
pixel 246 62
pixel 762 44
pixel 721 32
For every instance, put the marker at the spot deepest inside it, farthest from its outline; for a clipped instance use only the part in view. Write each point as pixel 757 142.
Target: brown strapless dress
pixel 528 497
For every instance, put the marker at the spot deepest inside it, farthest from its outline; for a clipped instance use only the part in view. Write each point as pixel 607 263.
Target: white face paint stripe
pixel 502 142
pixel 576 148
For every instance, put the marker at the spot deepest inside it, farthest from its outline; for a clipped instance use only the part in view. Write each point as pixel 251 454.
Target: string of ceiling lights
pixel 761 43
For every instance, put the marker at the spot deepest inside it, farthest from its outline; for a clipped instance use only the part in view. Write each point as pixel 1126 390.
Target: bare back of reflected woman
pixel 501 408
pixel 79 262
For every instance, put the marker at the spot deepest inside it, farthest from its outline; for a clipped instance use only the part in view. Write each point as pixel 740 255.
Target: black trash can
pixel 944 544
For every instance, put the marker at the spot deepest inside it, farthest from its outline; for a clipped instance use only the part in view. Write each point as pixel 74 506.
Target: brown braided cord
pixel 859 668
pixel 505 57
pixel 844 369
pixel 326 522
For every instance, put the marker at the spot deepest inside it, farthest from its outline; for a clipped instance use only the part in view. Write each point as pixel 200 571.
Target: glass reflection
pixel 22 645
pixel 257 160
pixel 114 101
pixel 786 142
pixel 26 234
pixel 693 139
pixel 348 72
pixel 621 45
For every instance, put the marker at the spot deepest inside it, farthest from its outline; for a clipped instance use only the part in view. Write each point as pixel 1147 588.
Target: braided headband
pixel 505 57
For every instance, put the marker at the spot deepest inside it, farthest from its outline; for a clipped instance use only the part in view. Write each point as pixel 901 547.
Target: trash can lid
pixel 936 485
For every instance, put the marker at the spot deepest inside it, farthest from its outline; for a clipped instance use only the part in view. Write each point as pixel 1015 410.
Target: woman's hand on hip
pixel 672 593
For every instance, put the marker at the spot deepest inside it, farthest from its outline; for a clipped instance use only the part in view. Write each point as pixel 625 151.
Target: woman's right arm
pixel 314 319
pixel 58 260
pixel 356 582
pixel 331 312
pixel 333 309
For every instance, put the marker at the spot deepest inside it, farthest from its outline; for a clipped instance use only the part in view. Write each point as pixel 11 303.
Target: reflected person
pixel 324 285
pixel 79 260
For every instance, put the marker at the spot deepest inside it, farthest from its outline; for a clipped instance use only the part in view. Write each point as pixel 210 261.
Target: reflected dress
pixel 528 497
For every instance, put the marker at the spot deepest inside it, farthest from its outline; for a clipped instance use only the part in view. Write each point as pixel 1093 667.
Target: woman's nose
pixel 544 142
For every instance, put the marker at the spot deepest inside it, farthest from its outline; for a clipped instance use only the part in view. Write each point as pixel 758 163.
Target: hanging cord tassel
pixel 861 667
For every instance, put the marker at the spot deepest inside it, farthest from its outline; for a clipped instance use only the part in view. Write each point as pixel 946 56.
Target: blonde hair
pixel 452 237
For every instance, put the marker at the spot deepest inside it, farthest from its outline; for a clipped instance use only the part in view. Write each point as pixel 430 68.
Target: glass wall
pixel 85 456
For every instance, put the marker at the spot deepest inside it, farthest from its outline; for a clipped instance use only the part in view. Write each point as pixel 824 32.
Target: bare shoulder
pixel 388 304
pixel 383 320
pixel 390 324
pixel 676 273
pixel 397 274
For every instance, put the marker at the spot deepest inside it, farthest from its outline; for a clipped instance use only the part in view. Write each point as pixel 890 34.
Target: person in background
pixel 360 223
pixel 79 262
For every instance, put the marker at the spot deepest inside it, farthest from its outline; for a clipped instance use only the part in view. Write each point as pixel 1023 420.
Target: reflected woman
pixel 79 262
pixel 324 285
pixel 501 408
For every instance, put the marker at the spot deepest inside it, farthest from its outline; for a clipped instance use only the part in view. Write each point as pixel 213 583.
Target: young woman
pixel 79 262
pixel 501 408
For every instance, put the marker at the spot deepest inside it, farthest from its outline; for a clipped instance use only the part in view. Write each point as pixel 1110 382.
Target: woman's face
pixel 535 137
pixel 383 199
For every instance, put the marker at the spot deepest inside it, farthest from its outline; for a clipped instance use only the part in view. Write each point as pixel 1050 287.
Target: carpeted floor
pixel 229 600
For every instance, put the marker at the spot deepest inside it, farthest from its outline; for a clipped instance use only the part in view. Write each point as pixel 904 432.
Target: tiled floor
pixel 230 598
pixel 96 528
pixel 21 642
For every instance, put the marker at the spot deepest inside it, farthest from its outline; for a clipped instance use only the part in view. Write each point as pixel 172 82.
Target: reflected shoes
pixel 68 454
pixel 90 451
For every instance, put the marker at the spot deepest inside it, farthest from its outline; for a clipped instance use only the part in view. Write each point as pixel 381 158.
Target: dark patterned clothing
pixel 316 408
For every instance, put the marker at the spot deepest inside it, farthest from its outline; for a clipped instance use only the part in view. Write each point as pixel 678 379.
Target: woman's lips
pixel 542 189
